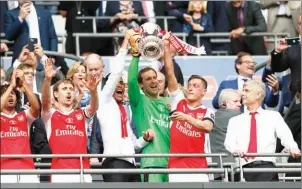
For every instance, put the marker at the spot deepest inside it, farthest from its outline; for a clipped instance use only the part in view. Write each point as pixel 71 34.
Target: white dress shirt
pixel 270 125
pixel 241 81
pixel 109 116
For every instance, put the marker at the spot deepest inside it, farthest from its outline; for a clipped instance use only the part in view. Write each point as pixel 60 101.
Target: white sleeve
pixel 16 63
pixel 116 71
pixel 175 98
pixel 46 120
pixel 30 118
pixel 43 59
pixel 210 115
pixel 284 134
pixel 139 143
pixel 230 142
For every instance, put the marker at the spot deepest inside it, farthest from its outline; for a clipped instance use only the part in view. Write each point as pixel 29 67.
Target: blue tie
pixel 101 9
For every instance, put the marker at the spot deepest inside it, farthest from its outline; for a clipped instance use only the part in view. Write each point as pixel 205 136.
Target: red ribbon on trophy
pixel 182 47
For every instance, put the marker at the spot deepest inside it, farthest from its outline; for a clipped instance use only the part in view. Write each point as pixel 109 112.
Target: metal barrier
pixel 223 169
pixel 182 35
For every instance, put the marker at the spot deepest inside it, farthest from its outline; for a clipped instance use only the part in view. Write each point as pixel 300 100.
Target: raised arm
pixel 92 84
pixel 46 97
pixel 34 109
pixel 169 67
pixel 116 70
pixel 4 97
pixel 133 86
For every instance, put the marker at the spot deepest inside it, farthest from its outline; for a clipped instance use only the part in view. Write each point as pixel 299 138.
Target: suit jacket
pixel 178 74
pixel 113 7
pixel 253 22
pixel 19 32
pixel 286 96
pixel 218 133
pixel 270 99
pixel 177 9
pixel 272 6
pixel 289 58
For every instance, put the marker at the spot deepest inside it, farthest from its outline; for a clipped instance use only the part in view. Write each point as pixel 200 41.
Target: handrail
pixel 183 35
pixel 107 156
pixel 69 56
pixel 110 171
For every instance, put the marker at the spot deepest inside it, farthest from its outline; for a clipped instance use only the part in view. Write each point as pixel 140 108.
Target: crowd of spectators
pixel 50 108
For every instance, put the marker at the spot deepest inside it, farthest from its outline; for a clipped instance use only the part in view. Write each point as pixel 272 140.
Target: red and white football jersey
pixel 15 140
pixel 186 138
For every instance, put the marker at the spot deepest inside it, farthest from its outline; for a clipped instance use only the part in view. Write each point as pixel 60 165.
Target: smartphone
pixel 31 43
pixel 293 41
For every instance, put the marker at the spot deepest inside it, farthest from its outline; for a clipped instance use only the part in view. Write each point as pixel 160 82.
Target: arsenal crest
pixel 200 116
pixel 79 116
pixel 20 118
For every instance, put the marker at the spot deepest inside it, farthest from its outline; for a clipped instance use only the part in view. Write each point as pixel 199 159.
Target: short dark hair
pixel 142 71
pixel 205 83
pixel 3 88
pixel 56 86
pixel 239 59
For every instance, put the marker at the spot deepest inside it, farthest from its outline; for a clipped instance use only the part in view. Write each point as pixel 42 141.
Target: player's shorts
pixel 155 178
pixel 19 179
pixel 188 178
pixel 70 178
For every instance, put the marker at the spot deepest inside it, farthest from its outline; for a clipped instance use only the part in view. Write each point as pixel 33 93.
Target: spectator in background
pixel 246 17
pixel 32 58
pixel 161 83
pixel 293 120
pixel 71 10
pixel 229 106
pixel 218 12
pixel 281 18
pixel 3 48
pixel 285 57
pixel 3 76
pixel 177 9
pixel 15 130
pixel 124 16
pixel 77 73
pixel 198 21
pixel 253 132
pixel 285 97
pixel 245 68
pixel 26 22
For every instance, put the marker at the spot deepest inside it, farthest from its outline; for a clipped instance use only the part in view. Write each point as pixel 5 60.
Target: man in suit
pixel 26 22
pixel 246 17
pixel 229 106
pixel 218 12
pixel 245 68
pixel 288 57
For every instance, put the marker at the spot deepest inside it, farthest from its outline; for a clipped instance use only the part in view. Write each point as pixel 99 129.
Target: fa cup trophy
pixel 151 46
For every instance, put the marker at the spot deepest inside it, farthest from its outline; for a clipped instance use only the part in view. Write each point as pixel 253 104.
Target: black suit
pixel 290 58
pixel 253 22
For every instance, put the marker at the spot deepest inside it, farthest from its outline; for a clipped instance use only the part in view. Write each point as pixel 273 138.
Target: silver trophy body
pixel 151 46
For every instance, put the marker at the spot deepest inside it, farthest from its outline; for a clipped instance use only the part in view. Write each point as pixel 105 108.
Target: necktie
pixel 124 120
pixel 240 16
pixel 253 135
